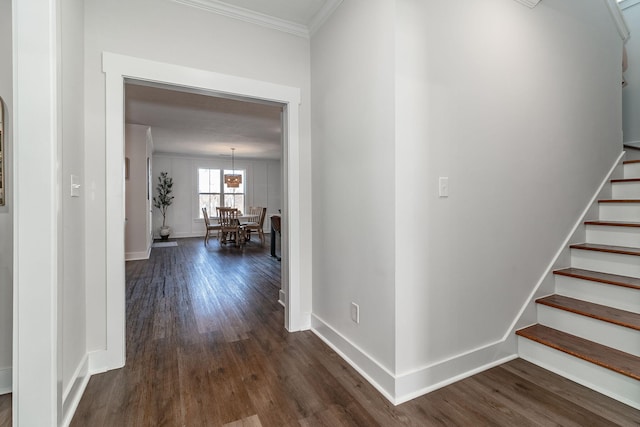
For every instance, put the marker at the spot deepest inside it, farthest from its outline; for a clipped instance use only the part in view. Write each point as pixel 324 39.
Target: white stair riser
pixel 625 190
pixel 602 380
pixel 616 236
pixel 619 212
pixel 605 333
pixel 599 293
pixel 632 170
pixel 623 265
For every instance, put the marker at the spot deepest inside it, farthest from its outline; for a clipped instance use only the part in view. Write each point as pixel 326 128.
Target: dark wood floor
pixel 206 347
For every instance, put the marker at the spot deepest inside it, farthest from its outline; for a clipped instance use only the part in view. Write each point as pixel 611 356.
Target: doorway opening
pixel 119 68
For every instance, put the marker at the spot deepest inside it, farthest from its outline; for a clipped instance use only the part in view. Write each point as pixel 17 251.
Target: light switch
pixel 75 186
pixel 443 186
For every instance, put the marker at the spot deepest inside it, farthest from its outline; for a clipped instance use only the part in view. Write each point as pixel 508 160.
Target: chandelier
pixel 232 180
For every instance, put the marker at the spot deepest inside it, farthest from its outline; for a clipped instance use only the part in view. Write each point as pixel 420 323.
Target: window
pixel 213 192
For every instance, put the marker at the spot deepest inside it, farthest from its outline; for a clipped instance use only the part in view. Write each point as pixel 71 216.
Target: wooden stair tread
pixel 612 315
pixel 606 357
pixel 633 147
pixel 626 180
pixel 623 250
pixel 596 276
pixel 614 223
pixel 628 162
pixel 619 201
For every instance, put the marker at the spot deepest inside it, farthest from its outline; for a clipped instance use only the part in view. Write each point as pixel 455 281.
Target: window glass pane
pixel 234 201
pixel 239 189
pixel 208 180
pixel 209 201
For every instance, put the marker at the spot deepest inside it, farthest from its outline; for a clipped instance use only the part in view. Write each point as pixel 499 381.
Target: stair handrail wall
pixel 563 252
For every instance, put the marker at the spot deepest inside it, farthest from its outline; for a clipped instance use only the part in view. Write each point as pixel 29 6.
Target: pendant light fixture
pixel 232 180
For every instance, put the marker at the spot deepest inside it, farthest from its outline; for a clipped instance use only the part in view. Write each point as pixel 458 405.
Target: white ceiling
pixel 205 125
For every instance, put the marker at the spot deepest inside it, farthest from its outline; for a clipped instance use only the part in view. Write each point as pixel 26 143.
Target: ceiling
pixel 199 124
pixel 205 125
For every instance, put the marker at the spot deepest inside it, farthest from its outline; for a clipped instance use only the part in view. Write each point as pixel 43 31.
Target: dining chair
pixel 209 228
pixel 255 222
pixel 229 226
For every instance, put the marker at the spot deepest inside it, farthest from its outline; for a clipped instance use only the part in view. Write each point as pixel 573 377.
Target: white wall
pixel 352 70
pixel 262 189
pixel 138 148
pixel 519 108
pixel 631 93
pixel 72 336
pixel 6 211
pixel 198 39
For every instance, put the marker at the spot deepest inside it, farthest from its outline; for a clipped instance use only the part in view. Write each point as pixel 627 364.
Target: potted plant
pixel 163 201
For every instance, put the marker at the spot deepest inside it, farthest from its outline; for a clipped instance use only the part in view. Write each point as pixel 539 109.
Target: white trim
pixel 135 256
pixel 530 301
pixel 626 4
pixel 6 375
pixel 323 14
pixel 75 390
pixel 381 378
pixel 529 3
pixel 401 388
pixel 247 15
pixel 618 19
pixel 117 68
pixel 35 146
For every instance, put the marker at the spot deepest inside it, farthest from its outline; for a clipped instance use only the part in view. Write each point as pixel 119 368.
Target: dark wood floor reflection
pixel 5 410
pixel 206 347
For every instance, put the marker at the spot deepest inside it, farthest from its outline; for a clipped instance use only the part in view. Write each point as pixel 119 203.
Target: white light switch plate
pixel 443 186
pixel 75 186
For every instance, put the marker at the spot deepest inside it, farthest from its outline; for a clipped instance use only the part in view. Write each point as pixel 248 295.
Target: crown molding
pixel 618 19
pixel 529 3
pixel 324 13
pixel 626 4
pixel 247 15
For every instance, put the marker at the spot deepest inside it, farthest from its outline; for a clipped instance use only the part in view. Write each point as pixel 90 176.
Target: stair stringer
pixel 545 286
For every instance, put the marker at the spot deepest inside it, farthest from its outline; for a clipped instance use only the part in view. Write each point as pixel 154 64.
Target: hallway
pixel 206 347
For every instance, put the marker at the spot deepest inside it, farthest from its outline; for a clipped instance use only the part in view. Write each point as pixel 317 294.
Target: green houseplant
pixel 163 200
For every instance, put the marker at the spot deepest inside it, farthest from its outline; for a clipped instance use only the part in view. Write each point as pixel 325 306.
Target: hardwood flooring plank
pixel 5 410
pixel 206 347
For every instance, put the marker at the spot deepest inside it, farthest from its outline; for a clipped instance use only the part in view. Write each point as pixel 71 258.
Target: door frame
pixel 117 69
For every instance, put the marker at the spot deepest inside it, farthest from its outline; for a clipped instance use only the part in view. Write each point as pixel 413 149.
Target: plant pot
pixel 165 232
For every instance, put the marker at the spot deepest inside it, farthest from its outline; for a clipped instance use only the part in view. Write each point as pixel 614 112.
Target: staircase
pixel 589 330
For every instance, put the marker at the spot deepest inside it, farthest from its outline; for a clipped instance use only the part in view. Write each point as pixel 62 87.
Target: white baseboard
pixel 442 373
pixel 74 391
pixel 376 374
pixel 6 380
pixel 134 256
pixel 404 387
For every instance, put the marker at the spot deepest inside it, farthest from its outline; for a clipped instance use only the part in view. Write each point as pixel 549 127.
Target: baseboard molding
pixel 99 362
pixel 6 380
pixel 401 388
pixel 376 374
pixel 74 391
pixel 528 308
pixel 135 256
pixel 453 369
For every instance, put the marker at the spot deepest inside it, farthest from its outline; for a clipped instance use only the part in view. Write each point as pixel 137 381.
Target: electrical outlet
pixel 355 312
